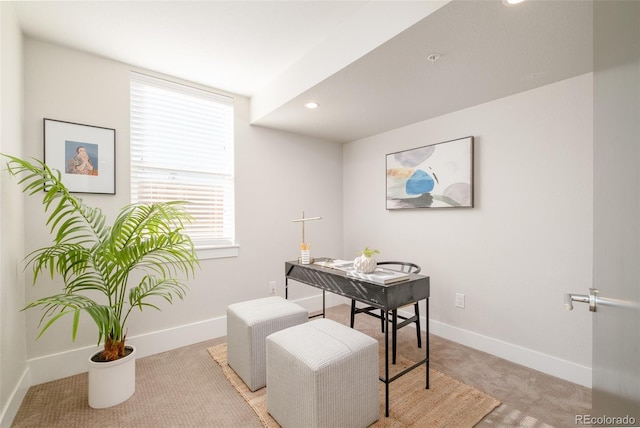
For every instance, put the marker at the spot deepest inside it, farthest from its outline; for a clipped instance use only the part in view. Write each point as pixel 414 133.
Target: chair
pixel 395 326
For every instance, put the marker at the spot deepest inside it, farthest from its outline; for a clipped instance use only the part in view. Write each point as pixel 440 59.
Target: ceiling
pixel 365 62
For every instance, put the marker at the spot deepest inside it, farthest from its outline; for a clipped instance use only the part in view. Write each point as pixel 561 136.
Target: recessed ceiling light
pixel 433 57
pixel 311 105
pixel 511 2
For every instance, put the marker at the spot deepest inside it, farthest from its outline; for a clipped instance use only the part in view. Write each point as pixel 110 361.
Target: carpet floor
pixel 185 388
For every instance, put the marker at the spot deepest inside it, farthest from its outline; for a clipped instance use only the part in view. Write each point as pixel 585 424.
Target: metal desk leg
pixel 286 296
pixel 386 364
pixel 394 334
pixel 427 342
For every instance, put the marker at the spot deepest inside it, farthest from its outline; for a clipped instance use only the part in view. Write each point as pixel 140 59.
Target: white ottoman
pixel 322 374
pixel 248 324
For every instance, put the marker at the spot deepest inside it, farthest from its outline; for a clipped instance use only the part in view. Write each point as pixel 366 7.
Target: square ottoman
pixel 322 374
pixel 248 324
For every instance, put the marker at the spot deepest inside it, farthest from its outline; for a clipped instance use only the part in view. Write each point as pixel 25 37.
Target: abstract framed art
pixel 435 176
pixel 84 155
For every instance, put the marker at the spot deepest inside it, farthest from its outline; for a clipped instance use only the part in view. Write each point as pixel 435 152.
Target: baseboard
pixel 69 363
pixel 15 400
pixel 535 360
pixel 57 366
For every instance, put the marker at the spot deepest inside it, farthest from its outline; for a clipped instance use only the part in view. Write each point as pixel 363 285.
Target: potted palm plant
pixel 95 262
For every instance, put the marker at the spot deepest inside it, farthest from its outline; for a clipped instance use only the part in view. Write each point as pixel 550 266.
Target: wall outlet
pixel 272 287
pixel 460 300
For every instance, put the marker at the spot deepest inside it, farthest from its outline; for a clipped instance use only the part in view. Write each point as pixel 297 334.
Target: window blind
pixel 182 149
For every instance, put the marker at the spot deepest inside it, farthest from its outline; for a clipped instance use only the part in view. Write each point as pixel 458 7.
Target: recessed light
pixel 311 105
pixel 433 57
pixel 511 2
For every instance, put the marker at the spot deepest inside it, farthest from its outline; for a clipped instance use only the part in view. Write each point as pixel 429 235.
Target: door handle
pixel 590 299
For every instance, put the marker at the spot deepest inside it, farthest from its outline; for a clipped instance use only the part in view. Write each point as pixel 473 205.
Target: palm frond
pixel 140 220
pixel 151 286
pixel 87 281
pixel 64 259
pixel 74 221
pixel 56 306
pixel 96 259
pixel 108 322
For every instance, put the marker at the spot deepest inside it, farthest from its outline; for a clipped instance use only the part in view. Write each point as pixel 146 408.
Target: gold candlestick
pixel 304 247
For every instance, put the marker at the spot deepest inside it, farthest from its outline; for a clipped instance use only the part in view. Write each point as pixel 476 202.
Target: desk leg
pixel 386 363
pixel 394 334
pixel 286 296
pixel 427 342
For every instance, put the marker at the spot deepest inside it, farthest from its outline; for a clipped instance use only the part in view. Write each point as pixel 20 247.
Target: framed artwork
pixel 435 176
pixel 84 155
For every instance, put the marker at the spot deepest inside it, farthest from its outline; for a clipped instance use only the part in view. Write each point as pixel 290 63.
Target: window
pixel 182 149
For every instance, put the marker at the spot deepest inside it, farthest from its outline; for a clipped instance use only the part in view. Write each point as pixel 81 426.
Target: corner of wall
pixel 10 410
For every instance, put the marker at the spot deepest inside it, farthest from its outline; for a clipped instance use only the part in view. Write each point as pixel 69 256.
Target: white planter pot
pixel 112 382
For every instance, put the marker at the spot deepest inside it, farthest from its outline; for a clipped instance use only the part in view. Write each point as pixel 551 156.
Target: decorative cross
pixel 303 220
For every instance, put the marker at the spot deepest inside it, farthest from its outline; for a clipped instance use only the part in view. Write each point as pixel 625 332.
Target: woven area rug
pixel 447 402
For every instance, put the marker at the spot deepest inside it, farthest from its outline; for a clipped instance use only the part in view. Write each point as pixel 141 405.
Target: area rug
pixel 447 402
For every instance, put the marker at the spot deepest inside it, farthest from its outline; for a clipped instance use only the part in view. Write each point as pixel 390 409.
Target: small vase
pixel 365 264
pixel 305 257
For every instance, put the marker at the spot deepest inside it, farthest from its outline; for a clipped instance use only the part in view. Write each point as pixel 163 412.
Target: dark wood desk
pixel 385 297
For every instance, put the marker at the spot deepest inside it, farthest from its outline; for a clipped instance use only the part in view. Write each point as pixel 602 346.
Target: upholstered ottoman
pixel 248 324
pixel 322 374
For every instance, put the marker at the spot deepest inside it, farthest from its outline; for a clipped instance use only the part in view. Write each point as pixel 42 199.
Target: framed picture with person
pixel 84 155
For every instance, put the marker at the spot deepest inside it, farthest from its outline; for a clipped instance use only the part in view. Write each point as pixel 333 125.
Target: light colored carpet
pixel 185 388
pixel 447 402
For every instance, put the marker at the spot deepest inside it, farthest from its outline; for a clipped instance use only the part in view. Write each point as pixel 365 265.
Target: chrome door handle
pixel 590 299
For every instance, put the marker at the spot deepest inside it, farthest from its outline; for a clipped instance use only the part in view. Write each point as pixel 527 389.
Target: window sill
pixel 218 252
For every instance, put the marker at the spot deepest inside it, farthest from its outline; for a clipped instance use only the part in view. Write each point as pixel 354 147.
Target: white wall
pixel 278 175
pixel 13 382
pixel 527 241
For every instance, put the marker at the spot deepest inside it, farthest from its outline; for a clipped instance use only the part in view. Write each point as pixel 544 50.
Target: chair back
pixel 407 267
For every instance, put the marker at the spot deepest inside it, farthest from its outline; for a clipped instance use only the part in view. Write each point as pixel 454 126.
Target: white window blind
pixel 182 149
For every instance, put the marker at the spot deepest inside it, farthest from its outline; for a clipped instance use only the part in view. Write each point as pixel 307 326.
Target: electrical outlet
pixel 460 300
pixel 272 287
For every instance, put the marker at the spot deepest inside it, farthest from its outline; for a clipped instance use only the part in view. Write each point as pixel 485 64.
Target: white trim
pixel 218 252
pixel 56 366
pixel 15 400
pixel 69 363
pixel 529 358
pixel 535 360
